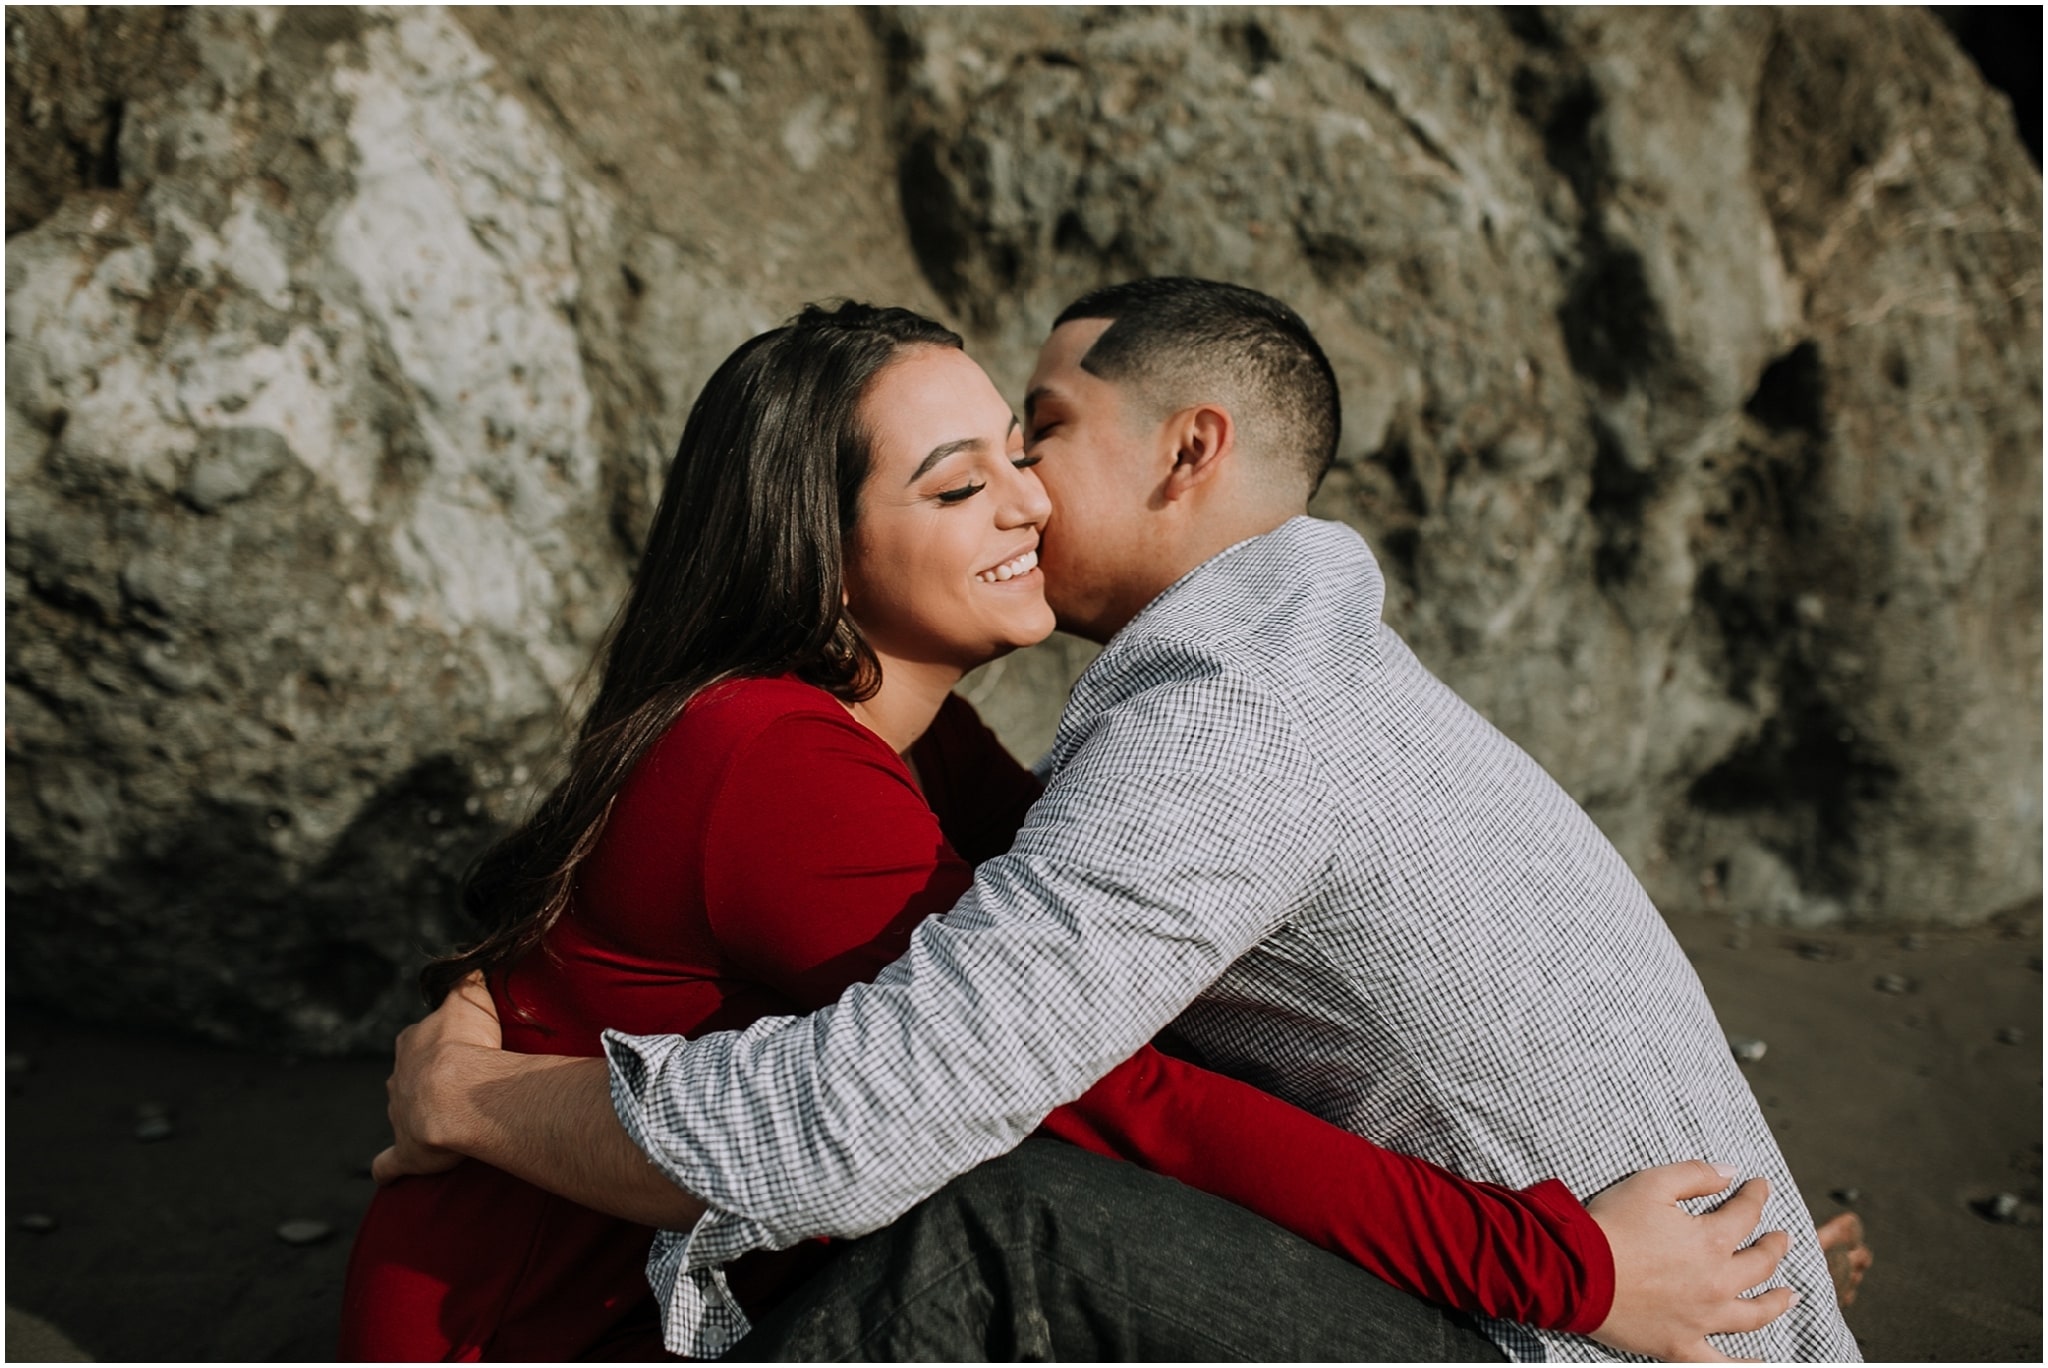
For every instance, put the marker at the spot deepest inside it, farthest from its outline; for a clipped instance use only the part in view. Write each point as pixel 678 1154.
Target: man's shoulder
pixel 1274 606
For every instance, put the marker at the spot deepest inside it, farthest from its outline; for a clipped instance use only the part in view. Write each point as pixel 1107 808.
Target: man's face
pixel 1096 456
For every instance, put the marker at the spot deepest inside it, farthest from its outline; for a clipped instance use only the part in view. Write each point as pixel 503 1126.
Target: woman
pixel 774 784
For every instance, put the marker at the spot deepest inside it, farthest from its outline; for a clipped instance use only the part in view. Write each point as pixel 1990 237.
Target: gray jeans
pixel 1052 1253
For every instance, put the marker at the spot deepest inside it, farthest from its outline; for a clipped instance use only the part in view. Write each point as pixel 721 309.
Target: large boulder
pixel 1691 366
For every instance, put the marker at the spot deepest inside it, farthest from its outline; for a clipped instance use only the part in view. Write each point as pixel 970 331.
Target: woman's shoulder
pixel 744 714
pixel 743 737
pixel 751 702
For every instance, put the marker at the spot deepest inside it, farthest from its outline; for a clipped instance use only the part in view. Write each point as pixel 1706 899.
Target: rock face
pixel 1692 400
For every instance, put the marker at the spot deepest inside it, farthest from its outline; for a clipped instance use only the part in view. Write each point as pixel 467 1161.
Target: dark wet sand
pixel 167 1249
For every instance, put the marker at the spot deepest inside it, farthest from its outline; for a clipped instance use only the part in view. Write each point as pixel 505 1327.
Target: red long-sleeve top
pixel 768 852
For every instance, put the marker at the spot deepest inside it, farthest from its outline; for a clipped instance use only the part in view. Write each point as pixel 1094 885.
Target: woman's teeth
pixel 1010 569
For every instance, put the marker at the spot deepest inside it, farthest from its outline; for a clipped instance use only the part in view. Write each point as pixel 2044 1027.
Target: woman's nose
pixel 1024 501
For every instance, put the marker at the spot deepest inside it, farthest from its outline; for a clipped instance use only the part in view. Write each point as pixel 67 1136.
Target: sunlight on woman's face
pixel 942 566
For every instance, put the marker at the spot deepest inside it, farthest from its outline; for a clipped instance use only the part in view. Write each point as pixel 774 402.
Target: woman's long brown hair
pixel 742 577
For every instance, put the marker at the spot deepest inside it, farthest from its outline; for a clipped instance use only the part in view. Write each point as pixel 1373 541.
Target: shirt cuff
pixel 699 1316
pixel 1582 1235
pixel 700 1319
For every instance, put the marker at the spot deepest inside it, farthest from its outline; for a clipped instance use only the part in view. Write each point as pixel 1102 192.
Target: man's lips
pixel 1010 569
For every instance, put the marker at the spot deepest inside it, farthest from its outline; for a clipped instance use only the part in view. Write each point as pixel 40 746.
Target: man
pixel 1266 826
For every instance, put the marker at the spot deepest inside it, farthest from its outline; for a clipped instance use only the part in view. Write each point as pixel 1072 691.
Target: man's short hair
pixel 1182 341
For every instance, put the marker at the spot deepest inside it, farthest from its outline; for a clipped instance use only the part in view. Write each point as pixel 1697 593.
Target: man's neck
pixel 1196 546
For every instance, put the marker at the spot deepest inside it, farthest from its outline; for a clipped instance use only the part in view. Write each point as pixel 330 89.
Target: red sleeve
pixel 1533 1256
pixel 820 857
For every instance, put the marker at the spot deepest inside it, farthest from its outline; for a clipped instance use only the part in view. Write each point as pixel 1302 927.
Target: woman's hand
pixel 1677 1277
pixel 467 1019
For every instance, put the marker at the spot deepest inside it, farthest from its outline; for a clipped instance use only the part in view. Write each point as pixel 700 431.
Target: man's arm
pixel 545 1118
pixel 1177 837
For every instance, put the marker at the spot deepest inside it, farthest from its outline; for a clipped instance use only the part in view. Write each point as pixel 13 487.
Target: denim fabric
pixel 1050 1253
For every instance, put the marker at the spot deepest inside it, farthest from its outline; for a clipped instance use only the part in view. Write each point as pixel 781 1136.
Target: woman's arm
pixel 1532 1255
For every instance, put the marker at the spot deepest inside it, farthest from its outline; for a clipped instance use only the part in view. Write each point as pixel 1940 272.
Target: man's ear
pixel 1204 441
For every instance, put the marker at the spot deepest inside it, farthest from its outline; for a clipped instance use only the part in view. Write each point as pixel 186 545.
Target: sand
pixel 1906 1103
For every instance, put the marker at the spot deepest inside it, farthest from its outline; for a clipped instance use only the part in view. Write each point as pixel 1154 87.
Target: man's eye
pixel 966 491
pixel 1038 433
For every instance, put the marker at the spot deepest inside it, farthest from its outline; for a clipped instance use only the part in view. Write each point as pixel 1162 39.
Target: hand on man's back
pixel 1678 1277
pixel 467 1019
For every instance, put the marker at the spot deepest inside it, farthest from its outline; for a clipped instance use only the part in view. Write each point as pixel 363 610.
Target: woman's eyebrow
pixel 954 448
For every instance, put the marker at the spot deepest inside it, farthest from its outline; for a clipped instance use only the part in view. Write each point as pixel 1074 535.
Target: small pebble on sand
pixel 42 1223
pixel 154 1128
pixel 1748 1049
pixel 304 1232
pixel 1816 950
pixel 2011 1035
pixel 1912 940
pixel 1894 983
pixel 1847 1196
pixel 2002 1207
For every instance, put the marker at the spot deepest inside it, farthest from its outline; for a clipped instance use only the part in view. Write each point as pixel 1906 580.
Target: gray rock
pixel 1748 1049
pixel 232 464
pixel 154 1128
pixel 2011 1035
pixel 304 1232
pixel 333 429
pixel 1847 1196
pixel 1894 983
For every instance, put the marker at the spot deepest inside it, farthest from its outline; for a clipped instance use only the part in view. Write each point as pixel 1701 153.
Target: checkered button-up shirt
pixel 1268 827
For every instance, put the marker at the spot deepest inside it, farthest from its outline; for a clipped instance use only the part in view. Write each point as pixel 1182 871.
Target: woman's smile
pixel 1017 568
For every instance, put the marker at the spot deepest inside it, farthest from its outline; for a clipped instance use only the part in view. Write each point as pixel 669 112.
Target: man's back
pixel 1474 976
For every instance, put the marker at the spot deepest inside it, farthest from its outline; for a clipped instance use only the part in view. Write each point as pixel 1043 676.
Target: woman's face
pixel 942 566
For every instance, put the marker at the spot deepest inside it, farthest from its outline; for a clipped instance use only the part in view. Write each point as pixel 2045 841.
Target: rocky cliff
pixel 1692 399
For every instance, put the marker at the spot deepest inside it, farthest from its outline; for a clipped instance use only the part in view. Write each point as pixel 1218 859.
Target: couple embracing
pixel 826 1018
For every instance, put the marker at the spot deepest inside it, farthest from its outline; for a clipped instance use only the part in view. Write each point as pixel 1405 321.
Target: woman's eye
pixel 966 491
pixel 1026 462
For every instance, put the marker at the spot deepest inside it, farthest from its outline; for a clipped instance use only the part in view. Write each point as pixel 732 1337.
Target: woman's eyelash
pixel 1026 462
pixel 967 491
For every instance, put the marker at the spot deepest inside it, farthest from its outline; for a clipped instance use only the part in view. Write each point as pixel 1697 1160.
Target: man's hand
pixel 424 1119
pixel 455 1092
pixel 1676 1275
